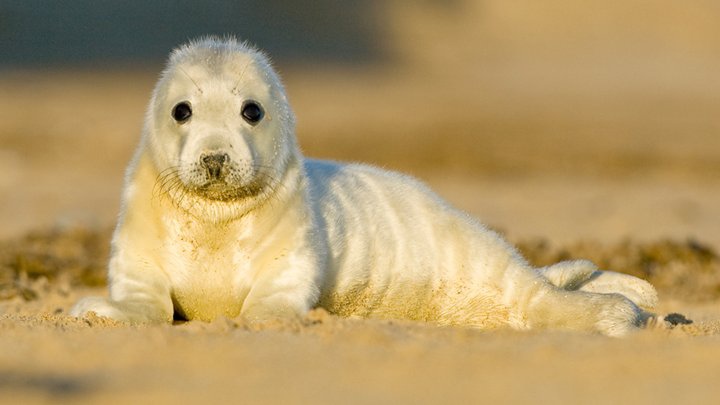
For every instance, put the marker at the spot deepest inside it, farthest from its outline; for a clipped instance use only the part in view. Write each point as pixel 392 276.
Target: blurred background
pixel 558 119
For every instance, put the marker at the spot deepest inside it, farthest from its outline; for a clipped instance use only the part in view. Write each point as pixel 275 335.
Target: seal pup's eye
pixel 182 112
pixel 252 112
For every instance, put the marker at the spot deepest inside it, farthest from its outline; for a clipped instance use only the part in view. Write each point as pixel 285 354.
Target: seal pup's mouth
pixel 221 190
pixel 219 178
pixel 177 183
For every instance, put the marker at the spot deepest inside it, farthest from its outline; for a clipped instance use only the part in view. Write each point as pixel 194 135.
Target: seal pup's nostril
pixel 214 164
pixel 215 158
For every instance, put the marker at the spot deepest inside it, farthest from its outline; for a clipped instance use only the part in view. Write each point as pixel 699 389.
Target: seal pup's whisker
pixel 191 79
pixel 164 178
pixel 239 80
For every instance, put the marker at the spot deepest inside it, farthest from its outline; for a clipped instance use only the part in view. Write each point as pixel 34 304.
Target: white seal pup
pixel 222 216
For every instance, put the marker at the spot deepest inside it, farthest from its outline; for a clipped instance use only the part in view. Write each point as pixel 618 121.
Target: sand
pixel 46 355
pixel 569 142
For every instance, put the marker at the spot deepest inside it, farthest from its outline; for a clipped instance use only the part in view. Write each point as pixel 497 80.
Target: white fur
pixel 354 239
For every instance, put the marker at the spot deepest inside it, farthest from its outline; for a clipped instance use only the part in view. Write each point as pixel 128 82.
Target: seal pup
pixel 223 216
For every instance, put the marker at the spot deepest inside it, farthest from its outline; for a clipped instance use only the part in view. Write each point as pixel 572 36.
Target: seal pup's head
pixel 219 126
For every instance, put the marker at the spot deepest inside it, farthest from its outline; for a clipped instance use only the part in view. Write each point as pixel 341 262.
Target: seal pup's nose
pixel 214 163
